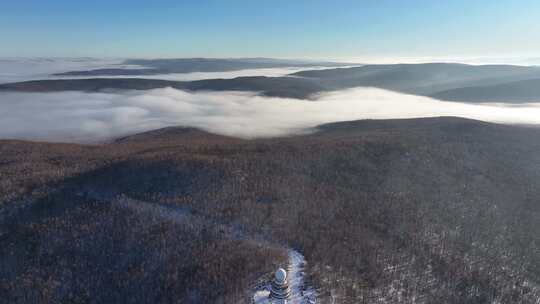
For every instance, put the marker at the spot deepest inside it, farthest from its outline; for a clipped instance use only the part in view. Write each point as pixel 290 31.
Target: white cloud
pixel 90 117
pixel 268 72
pixel 24 69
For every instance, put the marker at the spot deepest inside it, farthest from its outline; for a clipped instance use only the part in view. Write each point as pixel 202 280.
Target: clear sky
pixel 288 28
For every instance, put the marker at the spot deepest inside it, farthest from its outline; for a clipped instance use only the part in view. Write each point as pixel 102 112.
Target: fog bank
pixel 268 72
pixel 92 117
pixel 25 69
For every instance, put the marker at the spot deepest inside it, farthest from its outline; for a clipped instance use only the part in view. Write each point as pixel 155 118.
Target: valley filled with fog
pixel 15 70
pixel 192 180
pixel 94 117
pixel 270 152
pixel 89 117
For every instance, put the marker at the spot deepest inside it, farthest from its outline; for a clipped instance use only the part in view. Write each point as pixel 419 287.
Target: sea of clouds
pixel 95 117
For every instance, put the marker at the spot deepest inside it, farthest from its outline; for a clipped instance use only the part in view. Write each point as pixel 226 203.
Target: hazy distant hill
pixel 293 87
pixel 459 82
pixel 518 91
pixel 421 79
pixel 188 65
pixel 87 85
pixel 435 210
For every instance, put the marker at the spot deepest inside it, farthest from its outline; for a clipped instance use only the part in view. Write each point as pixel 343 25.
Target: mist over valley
pixel 270 152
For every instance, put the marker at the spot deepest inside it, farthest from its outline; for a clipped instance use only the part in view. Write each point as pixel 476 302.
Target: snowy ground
pixel 301 293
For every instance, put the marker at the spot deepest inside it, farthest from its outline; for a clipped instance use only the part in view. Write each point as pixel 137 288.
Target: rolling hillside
pixel 518 92
pixel 190 65
pixel 431 210
pixel 455 82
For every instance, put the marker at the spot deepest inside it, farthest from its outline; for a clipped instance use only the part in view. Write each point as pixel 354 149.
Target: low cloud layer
pixel 22 69
pixel 92 117
pixel 268 72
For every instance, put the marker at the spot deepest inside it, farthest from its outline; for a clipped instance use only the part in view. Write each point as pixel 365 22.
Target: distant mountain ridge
pixel 268 86
pixel 190 65
pixel 420 79
pixel 517 91
pixel 444 81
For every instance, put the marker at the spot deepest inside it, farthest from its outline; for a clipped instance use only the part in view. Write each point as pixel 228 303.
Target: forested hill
pixel 434 210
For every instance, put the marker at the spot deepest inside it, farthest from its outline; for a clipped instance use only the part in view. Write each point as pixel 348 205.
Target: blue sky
pixel 292 28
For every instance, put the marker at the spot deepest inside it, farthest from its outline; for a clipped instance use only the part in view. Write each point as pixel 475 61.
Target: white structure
pixel 277 292
pixel 286 287
pixel 280 291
